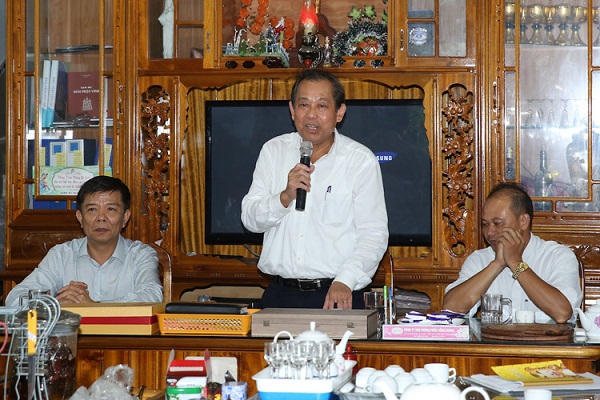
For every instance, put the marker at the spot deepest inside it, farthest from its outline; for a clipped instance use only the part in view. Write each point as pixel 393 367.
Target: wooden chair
pixel 165 270
pixel 589 254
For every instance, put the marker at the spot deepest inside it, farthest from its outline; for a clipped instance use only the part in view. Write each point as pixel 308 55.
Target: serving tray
pixel 528 332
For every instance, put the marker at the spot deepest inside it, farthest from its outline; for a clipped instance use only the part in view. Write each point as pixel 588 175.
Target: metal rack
pixel 18 359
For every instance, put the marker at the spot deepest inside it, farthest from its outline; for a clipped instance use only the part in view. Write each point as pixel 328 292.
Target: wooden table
pixel 148 355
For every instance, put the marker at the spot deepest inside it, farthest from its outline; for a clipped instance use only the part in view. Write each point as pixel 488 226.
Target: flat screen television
pixel 393 129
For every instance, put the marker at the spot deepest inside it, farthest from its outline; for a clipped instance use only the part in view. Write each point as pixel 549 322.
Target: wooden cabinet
pixel 64 126
pixel 542 94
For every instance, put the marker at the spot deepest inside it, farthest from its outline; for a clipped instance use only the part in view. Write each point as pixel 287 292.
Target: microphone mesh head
pixel 306 148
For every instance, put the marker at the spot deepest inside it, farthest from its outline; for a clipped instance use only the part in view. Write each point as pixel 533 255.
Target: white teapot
pixel 590 320
pixel 421 391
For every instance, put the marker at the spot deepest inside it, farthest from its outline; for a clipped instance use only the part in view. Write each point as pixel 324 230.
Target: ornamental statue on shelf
pixel 327 53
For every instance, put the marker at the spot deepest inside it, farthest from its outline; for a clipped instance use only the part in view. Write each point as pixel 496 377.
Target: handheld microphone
pixel 306 149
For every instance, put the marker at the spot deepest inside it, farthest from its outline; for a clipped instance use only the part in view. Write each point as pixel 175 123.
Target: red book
pixel 83 94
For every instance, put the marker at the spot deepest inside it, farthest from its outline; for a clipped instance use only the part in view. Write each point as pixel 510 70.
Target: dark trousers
pixel 277 295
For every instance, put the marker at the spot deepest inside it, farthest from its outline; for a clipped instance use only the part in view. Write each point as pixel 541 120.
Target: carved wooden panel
pixel 458 170
pixel 156 158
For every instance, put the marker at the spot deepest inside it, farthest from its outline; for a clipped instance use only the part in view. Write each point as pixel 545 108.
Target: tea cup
pixel 393 370
pixel 421 375
pixel 403 380
pixel 362 377
pixel 524 317
pixel 441 373
pixel 376 374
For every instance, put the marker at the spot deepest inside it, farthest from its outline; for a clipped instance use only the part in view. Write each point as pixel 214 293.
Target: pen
pixel 391 305
pixel 385 305
pixel 329 189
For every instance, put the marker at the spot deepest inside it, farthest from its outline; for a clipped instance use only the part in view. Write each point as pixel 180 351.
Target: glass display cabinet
pixel 551 119
pixel 67 134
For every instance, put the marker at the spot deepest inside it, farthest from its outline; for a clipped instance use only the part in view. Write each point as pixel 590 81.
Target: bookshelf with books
pixel 70 131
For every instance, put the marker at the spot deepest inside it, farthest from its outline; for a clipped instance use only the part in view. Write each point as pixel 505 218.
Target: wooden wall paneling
pixel 191 185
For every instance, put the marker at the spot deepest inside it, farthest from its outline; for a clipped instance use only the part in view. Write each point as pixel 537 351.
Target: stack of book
pixel 67 97
pixel 54 92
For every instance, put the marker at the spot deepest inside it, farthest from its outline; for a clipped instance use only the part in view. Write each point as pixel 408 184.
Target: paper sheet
pixel 501 385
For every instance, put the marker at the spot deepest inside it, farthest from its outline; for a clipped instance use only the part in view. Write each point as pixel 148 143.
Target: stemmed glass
pixel 536 17
pixel 322 357
pixel 550 15
pixel 596 19
pixel 579 16
pixel 299 354
pixel 509 16
pixel 274 353
pixel 564 116
pixel 551 122
pixel 524 20
pixel 563 16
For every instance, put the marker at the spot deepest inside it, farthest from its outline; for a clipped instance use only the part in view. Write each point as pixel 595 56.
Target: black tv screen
pixel 393 129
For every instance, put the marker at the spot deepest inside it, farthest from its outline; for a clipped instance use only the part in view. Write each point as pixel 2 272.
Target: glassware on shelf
pixel 509 21
pixel 563 16
pixel 322 357
pixel 551 121
pixel 550 19
pixel 543 177
pixel 539 115
pixel 577 163
pixel 524 20
pixel 542 184
pixel 274 353
pixel 536 17
pixel 596 19
pixel 579 16
pixel 509 168
pixel 529 121
pixel 299 354
pixel 564 115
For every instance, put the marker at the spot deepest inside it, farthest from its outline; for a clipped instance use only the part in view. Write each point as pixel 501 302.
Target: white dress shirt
pixel 554 263
pixel 129 275
pixel 341 234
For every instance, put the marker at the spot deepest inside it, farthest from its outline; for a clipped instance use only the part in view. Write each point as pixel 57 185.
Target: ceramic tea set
pixel 338 364
pixel 434 380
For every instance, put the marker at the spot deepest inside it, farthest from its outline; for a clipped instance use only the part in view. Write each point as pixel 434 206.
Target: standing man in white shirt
pixel 325 255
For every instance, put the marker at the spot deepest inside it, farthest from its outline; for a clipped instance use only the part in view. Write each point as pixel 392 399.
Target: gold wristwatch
pixel 519 270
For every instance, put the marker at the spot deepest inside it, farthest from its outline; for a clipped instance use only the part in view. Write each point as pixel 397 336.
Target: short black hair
pixel 103 183
pixel 521 203
pixel 339 94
